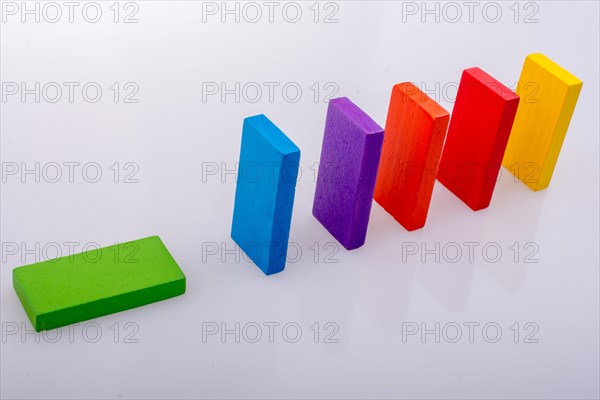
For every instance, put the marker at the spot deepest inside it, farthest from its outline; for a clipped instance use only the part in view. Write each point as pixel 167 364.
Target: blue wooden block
pixel 264 195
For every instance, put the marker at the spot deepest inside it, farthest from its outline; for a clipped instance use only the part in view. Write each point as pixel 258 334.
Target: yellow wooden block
pixel 548 94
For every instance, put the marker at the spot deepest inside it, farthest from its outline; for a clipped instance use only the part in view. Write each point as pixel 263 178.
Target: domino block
pixel 414 135
pixel 481 121
pixel 347 172
pixel 548 94
pixel 97 282
pixel 264 195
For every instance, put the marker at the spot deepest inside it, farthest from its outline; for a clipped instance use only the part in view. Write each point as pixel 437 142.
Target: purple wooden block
pixel 347 172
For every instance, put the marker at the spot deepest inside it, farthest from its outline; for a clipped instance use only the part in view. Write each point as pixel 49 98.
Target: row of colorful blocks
pixel 490 126
pixel 357 162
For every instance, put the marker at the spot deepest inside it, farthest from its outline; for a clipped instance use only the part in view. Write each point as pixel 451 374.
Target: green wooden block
pixel 97 282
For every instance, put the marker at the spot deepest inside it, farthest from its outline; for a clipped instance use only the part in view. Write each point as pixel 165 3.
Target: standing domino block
pixel 347 172
pixel 549 94
pixel 264 195
pixel 481 121
pixel 97 282
pixel 414 135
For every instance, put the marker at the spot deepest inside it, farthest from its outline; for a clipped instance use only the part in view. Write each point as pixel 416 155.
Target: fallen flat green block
pixel 97 282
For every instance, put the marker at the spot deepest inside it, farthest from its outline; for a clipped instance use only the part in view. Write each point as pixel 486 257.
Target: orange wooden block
pixel 412 145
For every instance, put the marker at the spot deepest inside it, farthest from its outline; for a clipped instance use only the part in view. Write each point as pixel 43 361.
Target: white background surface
pixel 370 294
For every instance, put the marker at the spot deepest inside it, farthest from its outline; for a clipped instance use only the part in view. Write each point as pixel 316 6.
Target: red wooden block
pixel 482 118
pixel 412 143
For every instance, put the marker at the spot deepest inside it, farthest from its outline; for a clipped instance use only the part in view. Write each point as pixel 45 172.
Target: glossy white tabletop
pixel 436 313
